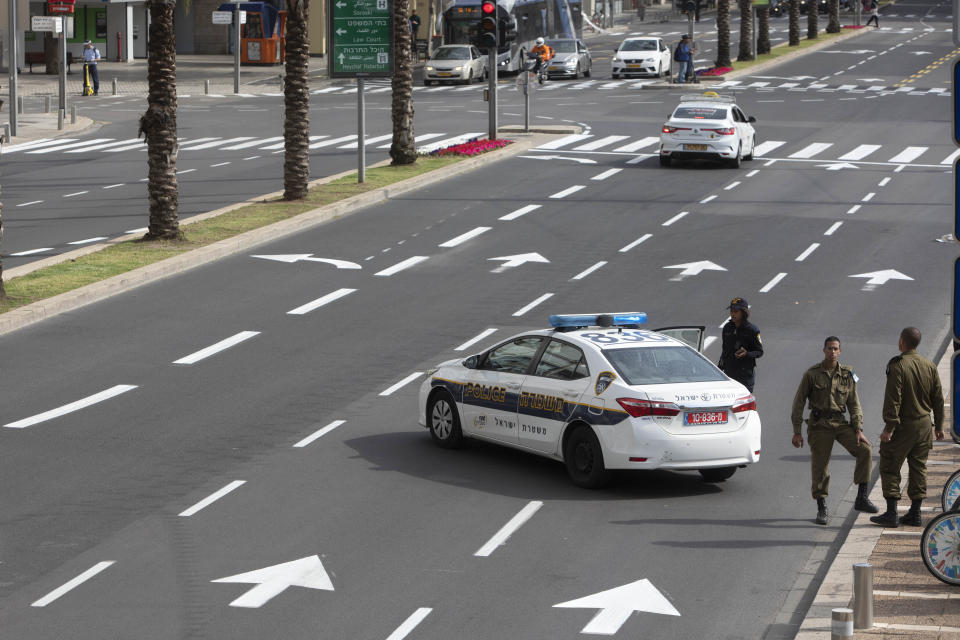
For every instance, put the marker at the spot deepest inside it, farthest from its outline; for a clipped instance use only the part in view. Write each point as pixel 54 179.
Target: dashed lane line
pixel 319 433
pixel 113 391
pixel 206 502
pixel 72 584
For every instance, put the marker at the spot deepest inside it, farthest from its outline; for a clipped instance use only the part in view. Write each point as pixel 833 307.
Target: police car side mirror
pixel 472 362
pixel 751 119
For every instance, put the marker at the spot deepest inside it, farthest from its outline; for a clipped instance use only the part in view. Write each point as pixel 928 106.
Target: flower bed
pixel 471 148
pixel 714 71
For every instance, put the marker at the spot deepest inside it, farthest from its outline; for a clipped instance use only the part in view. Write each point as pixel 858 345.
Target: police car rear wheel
pixel 584 460
pixel 717 475
pixel 444 422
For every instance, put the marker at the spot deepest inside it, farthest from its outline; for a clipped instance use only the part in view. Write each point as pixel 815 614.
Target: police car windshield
pixel 662 365
pixel 451 53
pixel 700 113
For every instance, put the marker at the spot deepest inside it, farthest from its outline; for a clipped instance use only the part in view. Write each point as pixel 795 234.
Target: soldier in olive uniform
pixel 831 388
pixel 913 392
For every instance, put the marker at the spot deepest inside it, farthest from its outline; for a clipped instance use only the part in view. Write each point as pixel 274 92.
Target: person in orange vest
pixel 544 53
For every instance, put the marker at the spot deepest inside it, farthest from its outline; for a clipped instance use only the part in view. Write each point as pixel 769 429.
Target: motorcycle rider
pixel 544 53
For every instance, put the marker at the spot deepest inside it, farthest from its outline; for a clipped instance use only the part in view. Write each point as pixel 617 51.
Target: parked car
pixel 571 58
pixel 455 63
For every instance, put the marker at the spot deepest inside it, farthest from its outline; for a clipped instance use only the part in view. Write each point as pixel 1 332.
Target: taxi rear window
pixel 662 365
pixel 700 113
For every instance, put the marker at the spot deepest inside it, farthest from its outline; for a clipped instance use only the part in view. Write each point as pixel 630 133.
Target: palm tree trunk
pixel 403 149
pixel 723 34
pixel 763 29
pixel 159 124
pixel 833 25
pixel 813 15
pixel 3 292
pixel 296 103
pixel 794 23
pixel 746 31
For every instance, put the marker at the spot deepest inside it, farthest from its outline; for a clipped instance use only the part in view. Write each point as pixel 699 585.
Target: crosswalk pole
pixel 361 134
pixel 526 100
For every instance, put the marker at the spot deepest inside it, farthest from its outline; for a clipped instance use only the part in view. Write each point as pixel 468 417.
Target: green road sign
pixel 361 38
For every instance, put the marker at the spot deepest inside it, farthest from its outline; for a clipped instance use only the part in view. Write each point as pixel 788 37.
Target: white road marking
pixel 908 155
pixel 74 145
pixel 523 310
pixel 189 145
pixel 449 142
pixel 803 256
pixel 400 266
pixel 140 230
pixel 114 186
pixel 708 199
pixel 282 145
pixel 860 152
pixel 562 142
pixel 833 227
pixel 319 302
pixel 219 164
pixel 88 240
pixel 410 624
pixel 410 378
pixel 811 150
pixel 732 185
pixel 642 238
pixel 766 147
pixel 78 193
pixel 217 143
pixel 519 212
pixel 72 584
pixel 639 144
pixel 355 144
pixel 271 581
pixel 709 340
pixel 253 143
pixel 854 208
pixel 950 158
pixel 606 174
pixel 569 190
pixel 36 144
pixel 753 173
pixel 640 158
pixel 211 498
pixel 30 252
pixel 583 274
pixel 472 341
pixel 328 143
pixel 185 171
pixel 217 348
pixel 27 204
pixel 319 433
pixel 508 529
pixel 886 180
pixel 675 218
pixel 420 138
pixel 601 142
pixel 770 285
pixel 108 145
pixel 868 197
pixel 452 242
pixel 71 407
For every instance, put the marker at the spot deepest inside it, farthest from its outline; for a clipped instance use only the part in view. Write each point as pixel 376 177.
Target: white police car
pixel 598 393
pixel 708 127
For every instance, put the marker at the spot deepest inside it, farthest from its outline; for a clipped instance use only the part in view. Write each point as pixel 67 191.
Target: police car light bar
pixel 572 321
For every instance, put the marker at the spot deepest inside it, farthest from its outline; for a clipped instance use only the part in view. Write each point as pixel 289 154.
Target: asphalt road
pixel 396 522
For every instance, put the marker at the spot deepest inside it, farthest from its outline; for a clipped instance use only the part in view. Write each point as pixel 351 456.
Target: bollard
pixel 73 114
pixel 46 104
pixel 59 119
pixel 863 595
pixel 206 87
pixel 116 86
pixel 19 104
pixel 841 627
pixel 6 132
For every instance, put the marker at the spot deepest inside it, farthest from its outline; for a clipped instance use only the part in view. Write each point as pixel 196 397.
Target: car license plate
pixel 553 68
pixel 691 418
pixel 444 74
pixel 695 147
pixel 634 66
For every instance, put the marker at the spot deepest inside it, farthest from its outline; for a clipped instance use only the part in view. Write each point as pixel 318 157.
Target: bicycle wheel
pixel 940 547
pixel 951 491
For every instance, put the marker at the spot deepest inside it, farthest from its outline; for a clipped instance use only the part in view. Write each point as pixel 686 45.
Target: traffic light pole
pixel 492 91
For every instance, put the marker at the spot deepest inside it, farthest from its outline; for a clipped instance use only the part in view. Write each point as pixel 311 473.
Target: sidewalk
pixel 908 602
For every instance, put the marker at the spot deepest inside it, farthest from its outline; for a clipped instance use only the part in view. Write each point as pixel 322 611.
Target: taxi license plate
pixel 444 74
pixel 634 66
pixel 692 418
pixel 695 147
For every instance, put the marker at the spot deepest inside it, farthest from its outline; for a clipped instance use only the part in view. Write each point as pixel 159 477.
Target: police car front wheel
pixel 584 459
pixel 444 421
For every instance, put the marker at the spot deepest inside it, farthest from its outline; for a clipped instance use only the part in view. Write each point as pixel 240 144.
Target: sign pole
pixel 492 91
pixel 361 134
pixel 236 48
pixel 63 68
pixel 12 66
pixel 526 100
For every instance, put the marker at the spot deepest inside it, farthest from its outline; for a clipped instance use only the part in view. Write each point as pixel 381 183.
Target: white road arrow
pixel 877 278
pixel 836 166
pixel 580 160
pixel 272 581
pixel 694 268
pixel 517 260
pixel 920 53
pixel 297 257
pixel 616 605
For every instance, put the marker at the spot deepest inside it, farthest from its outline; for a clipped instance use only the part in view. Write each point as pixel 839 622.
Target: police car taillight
pixel 746 403
pixel 569 321
pixel 639 408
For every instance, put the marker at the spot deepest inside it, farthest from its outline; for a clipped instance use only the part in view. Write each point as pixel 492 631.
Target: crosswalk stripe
pixel 427 148
pixel 950 158
pixel 378 90
pixel 62 147
pixel 909 154
pixel 136 145
pixel 367 141
pixel 281 145
pixel 327 90
pixel 846 87
pixel 860 152
pixel 564 141
pixel 186 145
pixel 328 143
pixel 757 84
pixel 611 85
pixel 252 143
pixel 217 143
pixel 107 145
pixel 811 150
pixel 600 142
pixel 423 137
pixel 36 144
pixel 788 85
pixel 766 147
pixel 639 144
pixel 875 88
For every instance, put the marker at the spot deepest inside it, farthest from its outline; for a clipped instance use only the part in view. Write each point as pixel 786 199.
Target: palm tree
pixel 723 34
pixel 812 16
pixel 403 150
pixel 746 31
pixel 296 102
pixel 159 124
pixel 3 293
pixel 763 28
pixel 794 23
pixel 833 24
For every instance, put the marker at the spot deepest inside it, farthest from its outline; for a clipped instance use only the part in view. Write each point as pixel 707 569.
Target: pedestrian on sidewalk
pixel 684 55
pixel 831 389
pixel 912 394
pixel 91 56
pixel 874 14
pixel 741 344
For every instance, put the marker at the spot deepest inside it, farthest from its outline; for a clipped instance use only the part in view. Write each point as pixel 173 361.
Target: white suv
pixel 708 127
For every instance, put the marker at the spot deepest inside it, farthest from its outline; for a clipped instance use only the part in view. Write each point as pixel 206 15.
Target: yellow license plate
pixel 444 74
pixel 553 68
pixel 634 66
pixel 695 147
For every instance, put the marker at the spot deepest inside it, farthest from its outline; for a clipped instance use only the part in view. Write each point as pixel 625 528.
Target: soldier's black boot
pixel 863 502
pixel 889 517
pixel 912 517
pixel 822 516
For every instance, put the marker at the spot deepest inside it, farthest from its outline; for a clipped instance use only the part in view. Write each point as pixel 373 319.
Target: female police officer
pixel 741 344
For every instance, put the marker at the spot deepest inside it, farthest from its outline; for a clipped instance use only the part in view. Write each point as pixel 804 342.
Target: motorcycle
pixel 541 73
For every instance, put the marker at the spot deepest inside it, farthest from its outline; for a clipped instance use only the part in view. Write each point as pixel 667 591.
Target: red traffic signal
pixel 488 7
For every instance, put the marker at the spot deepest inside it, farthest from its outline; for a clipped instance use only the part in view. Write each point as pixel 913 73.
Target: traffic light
pixel 487 37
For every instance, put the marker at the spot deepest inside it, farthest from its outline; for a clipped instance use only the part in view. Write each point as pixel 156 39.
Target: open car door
pixel 689 335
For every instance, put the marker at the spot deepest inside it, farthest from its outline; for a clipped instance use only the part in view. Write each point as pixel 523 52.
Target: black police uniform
pixel 747 335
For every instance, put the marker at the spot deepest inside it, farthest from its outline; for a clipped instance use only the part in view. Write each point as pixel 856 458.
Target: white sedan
pixel 708 127
pixel 641 56
pixel 455 63
pixel 598 393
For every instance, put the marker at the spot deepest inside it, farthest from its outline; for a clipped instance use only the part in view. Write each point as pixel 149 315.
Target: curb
pixel 82 296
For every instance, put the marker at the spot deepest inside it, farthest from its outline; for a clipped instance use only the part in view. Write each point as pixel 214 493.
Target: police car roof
pixel 592 336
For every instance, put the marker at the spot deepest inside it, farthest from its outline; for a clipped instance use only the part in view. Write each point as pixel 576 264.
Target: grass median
pixel 784 48
pixel 129 255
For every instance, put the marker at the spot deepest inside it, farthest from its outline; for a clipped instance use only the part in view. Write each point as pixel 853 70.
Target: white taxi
pixel 710 127
pixel 598 393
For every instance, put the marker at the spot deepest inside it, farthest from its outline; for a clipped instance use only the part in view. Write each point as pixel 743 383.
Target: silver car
pixel 455 63
pixel 571 58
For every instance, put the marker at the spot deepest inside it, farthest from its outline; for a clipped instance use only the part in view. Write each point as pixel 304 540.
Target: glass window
pixel 563 46
pixel 562 361
pixel 639 45
pixel 513 357
pixel 451 53
pixel 700 113
pixel 662 365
